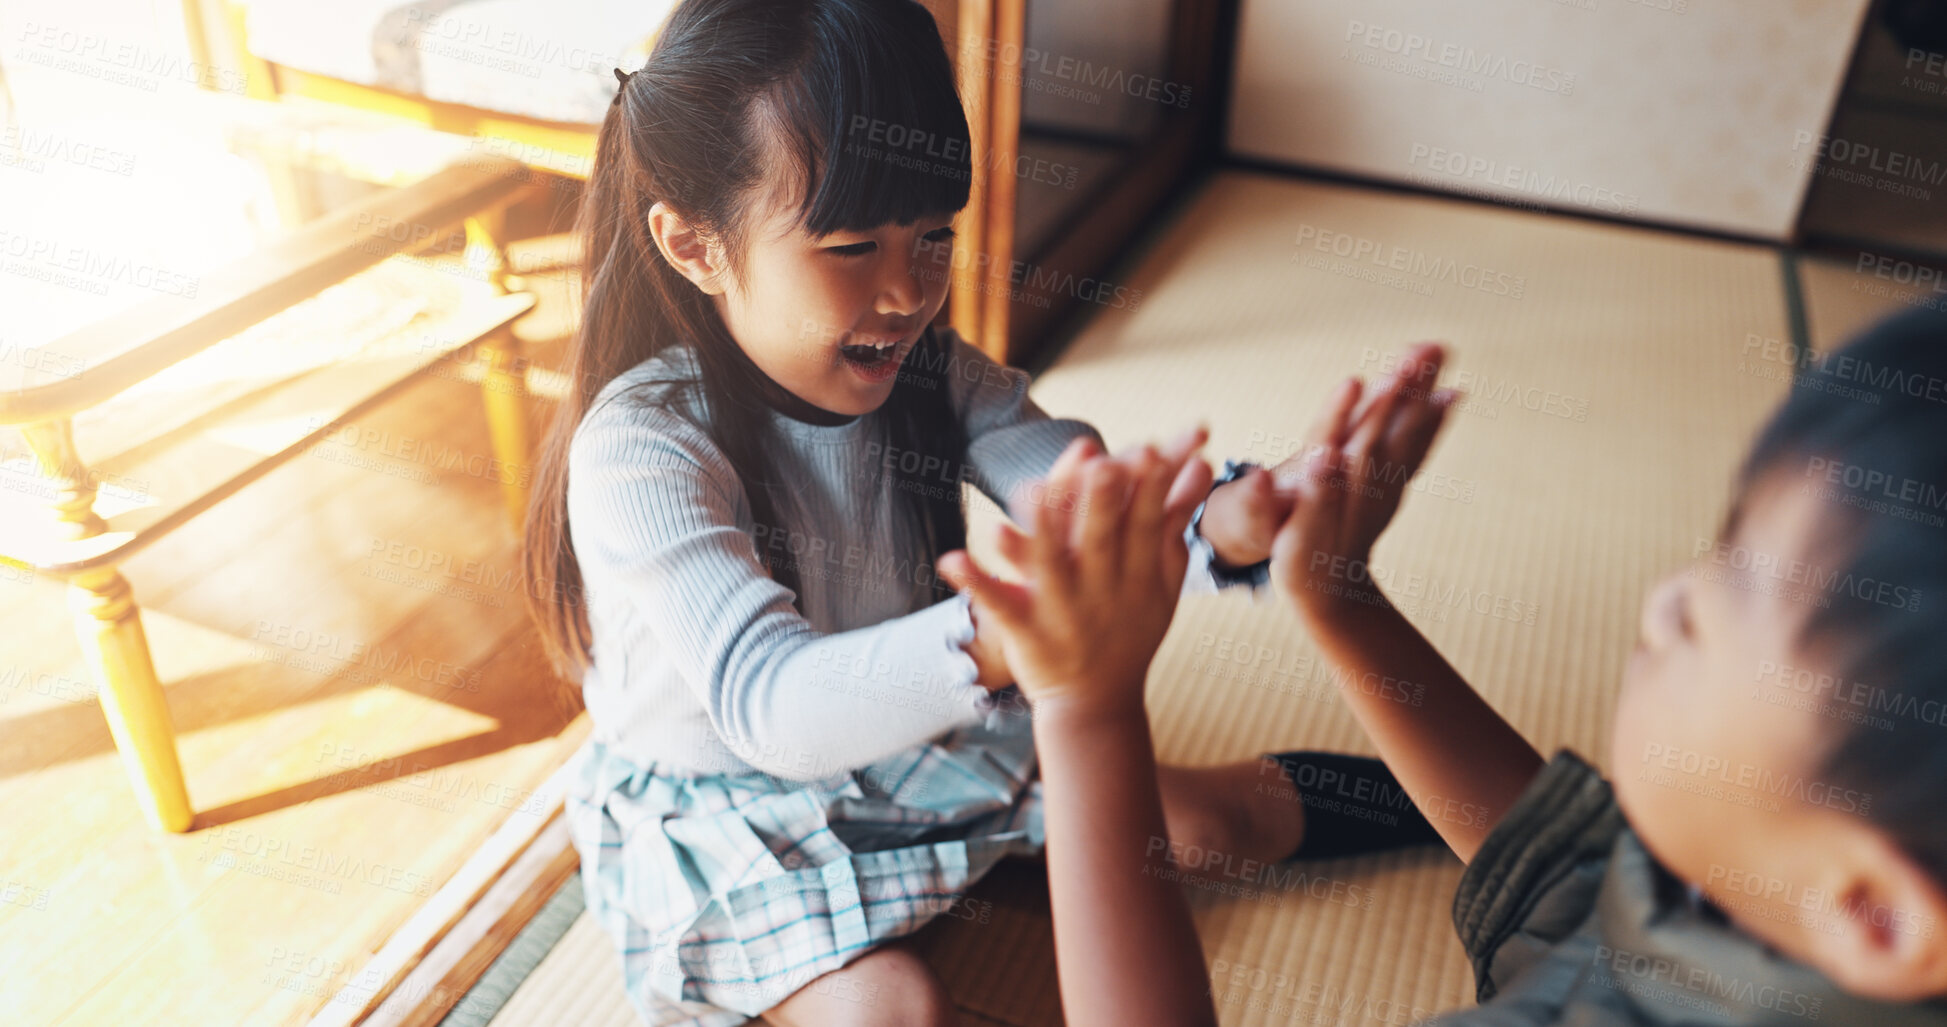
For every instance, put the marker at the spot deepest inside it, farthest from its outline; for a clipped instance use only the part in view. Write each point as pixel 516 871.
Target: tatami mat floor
pixel 1614 376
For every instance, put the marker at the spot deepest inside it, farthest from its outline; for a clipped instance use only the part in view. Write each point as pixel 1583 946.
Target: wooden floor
pixel 360 701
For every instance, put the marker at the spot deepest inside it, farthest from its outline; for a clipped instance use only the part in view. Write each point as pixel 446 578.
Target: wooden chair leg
pixel 504 386
pixel 504 390
pixel 117 649
pixel 112 640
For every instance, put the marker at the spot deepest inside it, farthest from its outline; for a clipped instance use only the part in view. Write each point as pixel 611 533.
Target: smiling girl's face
pixel 830 319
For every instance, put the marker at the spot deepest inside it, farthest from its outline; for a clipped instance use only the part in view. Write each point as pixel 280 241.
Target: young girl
pixel 804 747
pixel 1771 850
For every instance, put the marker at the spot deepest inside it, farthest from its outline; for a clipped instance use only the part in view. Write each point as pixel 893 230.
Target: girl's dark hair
pixel 1866 427
pixel 737 96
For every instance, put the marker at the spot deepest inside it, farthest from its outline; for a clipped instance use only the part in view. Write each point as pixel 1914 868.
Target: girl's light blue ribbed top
pixel 700 660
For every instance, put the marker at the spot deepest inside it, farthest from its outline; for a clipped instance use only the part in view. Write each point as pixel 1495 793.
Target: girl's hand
pixel 1102 575
pixel 1350 483
pixel 990 659
pixel 1242 517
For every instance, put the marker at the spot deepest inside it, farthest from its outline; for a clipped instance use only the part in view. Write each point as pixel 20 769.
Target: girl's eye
pixel 940 234
pixel 857 249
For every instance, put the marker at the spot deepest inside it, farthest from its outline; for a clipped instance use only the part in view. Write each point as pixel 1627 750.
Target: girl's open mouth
pixel 872 361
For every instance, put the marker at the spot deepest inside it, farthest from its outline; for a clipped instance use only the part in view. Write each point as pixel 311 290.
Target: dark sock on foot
pixel 1353 805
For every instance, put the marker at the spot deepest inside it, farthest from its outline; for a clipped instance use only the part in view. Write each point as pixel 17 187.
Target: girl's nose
pixel 904 292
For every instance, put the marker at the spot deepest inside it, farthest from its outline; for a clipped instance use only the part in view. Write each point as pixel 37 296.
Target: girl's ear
pixel 686 249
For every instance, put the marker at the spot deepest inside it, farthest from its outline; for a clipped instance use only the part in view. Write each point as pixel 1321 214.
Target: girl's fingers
pixel 1007 603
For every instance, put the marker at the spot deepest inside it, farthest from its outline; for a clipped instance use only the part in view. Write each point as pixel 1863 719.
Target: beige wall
pixel 1699 112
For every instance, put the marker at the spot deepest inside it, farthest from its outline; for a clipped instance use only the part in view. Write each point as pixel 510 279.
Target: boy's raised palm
pixel 1356 467
pixel 1101 574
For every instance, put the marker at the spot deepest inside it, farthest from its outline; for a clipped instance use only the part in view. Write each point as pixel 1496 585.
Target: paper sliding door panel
pixel 1704 113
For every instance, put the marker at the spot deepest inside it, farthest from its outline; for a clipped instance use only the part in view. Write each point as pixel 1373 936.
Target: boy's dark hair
pixel 1866 427
pixel 857 100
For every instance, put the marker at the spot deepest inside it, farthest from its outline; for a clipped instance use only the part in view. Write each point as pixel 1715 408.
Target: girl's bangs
pixel 873 111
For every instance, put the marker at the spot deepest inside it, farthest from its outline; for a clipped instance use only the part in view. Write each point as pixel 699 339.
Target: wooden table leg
pixel 112 640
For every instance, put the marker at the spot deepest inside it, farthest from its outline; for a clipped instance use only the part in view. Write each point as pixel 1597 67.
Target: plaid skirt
pixel 725 894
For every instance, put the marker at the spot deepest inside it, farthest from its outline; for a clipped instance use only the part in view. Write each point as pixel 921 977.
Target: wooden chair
pixel 568 149
pixel 253 381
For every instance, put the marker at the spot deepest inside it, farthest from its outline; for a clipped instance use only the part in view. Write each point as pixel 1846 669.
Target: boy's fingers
pixel 1373 422
pixel 1180 448
pixel 1079 451
pixel 1006 602
pixel 1147 520
pixel 1334 421
pixel 1191 487
pixel 1016 547
pixel 1103 516
pixel 1408 443
pixel 1048 559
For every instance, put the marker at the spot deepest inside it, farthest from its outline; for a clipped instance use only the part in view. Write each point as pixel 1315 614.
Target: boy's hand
pixel 1102 577
pixel 1355 471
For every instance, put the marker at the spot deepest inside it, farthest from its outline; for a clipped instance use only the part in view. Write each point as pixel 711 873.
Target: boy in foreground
pixel 1755 861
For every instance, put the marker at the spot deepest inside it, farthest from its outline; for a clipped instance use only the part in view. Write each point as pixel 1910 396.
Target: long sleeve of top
pixel 700 658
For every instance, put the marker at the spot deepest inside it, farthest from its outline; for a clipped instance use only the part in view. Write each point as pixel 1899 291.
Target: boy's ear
pixel 1891 911
pixel 693 255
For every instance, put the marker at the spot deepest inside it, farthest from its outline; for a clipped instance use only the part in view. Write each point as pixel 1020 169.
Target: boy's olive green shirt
pixel 1568 920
